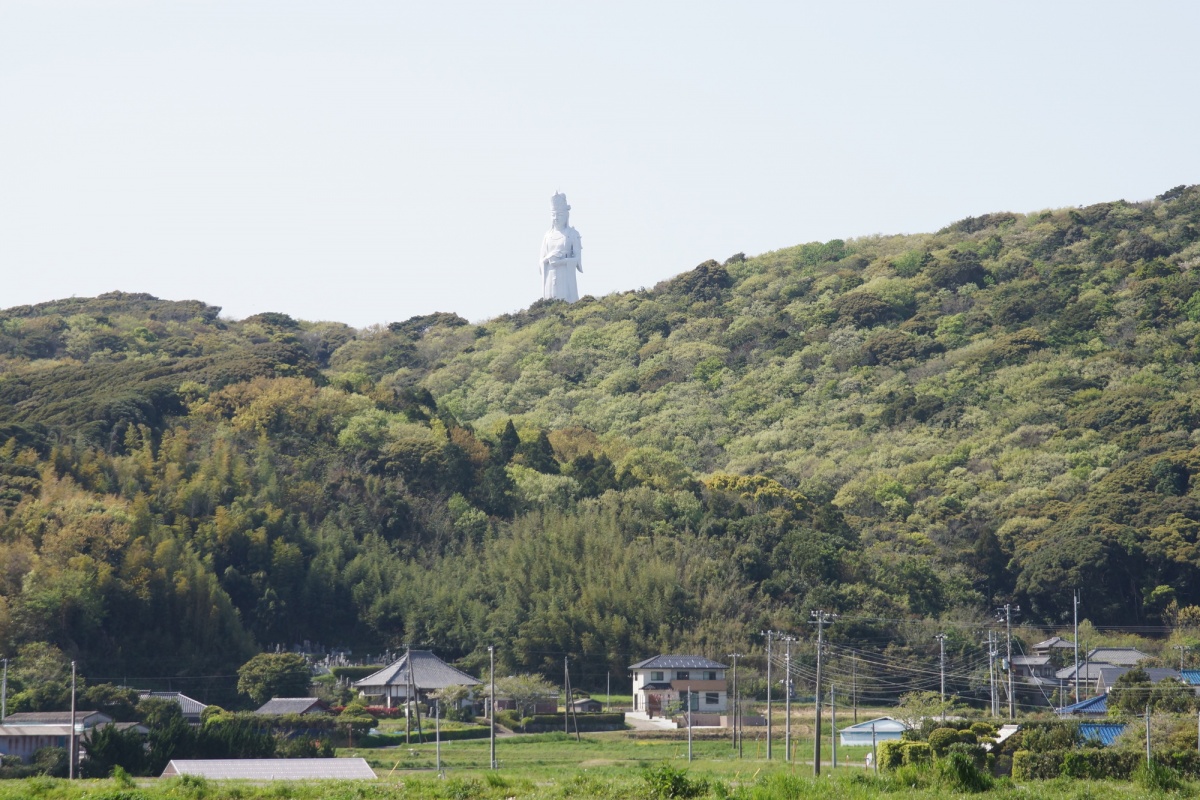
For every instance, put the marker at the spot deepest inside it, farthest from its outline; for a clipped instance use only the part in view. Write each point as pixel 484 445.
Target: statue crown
pixel 559 202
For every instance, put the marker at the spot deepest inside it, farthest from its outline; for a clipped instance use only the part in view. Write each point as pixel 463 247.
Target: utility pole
pixel 1182 648
pixel 1147 734
pixel 733 711
pixel 1007 610
pixel 941 637
pixel 492 703
pixel 820 619
pixel 4 694
pixel 854 685
pixel 408 696
pixel 71 753
pixel 608 692
pixel 770 635
pixel 833 723
pixel 689 710
pixel 437 732
pixel 787 700
pixel 992 673
pixel 1075 595
pixel 566 693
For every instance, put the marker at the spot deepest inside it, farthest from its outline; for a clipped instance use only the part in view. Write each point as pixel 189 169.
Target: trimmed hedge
pixel 354 673
pixel 548 723
pixel 891 753
pixel 1096 764
pixel 395 739
pixel 916 753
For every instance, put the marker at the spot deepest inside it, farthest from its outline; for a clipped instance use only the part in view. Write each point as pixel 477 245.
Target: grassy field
pixel 601 766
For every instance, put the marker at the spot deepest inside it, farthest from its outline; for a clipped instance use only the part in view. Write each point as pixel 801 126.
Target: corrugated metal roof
pixel 1093 705
pixel 34 730
pixel 273 769
pixel 189 706
pixel 428 672
pixel 1191 677
pixel 292 705
pixel 880 723
pixel 678 662
pixel 1104 732
pixel 56 718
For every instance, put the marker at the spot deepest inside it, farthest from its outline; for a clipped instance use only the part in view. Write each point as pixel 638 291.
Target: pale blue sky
pixel 368 161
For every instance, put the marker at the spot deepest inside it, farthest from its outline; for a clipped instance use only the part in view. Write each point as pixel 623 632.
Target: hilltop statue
pixel 560 254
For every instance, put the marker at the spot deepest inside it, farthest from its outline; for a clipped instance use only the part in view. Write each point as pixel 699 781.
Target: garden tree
pixel 1172 696
pixel 525 690
pixel 354 719
pixel 1131 692
pixel 450 702
pixel 118 702
pixel 108 747
pixel 39 679
pixel 158 713
pixel 270 675
pixel 918 708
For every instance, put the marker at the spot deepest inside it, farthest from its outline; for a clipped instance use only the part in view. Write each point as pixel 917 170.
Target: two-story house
pixel 694 682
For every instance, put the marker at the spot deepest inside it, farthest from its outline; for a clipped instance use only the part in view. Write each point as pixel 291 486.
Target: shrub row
pixel 394 739
pixel 1096 764
pixel 545 723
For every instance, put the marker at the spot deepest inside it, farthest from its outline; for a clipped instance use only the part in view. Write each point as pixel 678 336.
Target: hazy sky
pixel 368 161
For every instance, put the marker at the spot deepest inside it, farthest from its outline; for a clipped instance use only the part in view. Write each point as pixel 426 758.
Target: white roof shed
pixel 273 769
pixel 885 728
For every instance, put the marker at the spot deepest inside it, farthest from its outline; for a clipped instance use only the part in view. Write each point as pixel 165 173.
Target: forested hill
pixel 892 427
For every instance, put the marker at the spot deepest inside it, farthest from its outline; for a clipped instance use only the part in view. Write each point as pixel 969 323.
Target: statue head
pixel 559 210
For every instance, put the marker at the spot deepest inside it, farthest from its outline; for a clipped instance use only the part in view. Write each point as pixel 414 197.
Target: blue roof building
pixel 1092 707
pixel 1103 732
pixel 1190 676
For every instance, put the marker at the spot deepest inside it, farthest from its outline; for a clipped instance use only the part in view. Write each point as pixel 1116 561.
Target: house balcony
pixel 699 686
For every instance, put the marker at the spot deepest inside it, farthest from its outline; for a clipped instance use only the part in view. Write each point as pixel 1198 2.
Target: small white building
pixel 691 681
pixel 885 728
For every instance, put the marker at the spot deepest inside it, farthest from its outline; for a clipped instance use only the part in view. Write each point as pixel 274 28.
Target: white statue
pixel 560 254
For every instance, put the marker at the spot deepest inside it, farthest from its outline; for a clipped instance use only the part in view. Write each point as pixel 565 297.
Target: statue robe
pixel 558 281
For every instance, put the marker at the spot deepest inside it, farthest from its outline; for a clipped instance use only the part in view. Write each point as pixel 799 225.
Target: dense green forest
pixel 894 427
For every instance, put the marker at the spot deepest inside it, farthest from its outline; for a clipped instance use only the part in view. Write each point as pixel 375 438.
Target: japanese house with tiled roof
pixel 687 681
pixel 421 670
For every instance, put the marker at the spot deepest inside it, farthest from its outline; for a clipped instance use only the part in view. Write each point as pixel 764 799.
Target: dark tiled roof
pixel 428 672
pixel 292 705
pixel 1117 656
pixel 55 718
pixel 678 662
pixel 189 707
pixel 1030 661
pixel 1054 642
pixel 660 686
pixel 1110 674
pixel 1087 672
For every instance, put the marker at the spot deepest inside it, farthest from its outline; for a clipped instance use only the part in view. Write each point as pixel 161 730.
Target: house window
pixel 712 698
pixel 712 674
pixel 682 675
pixel 656 677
